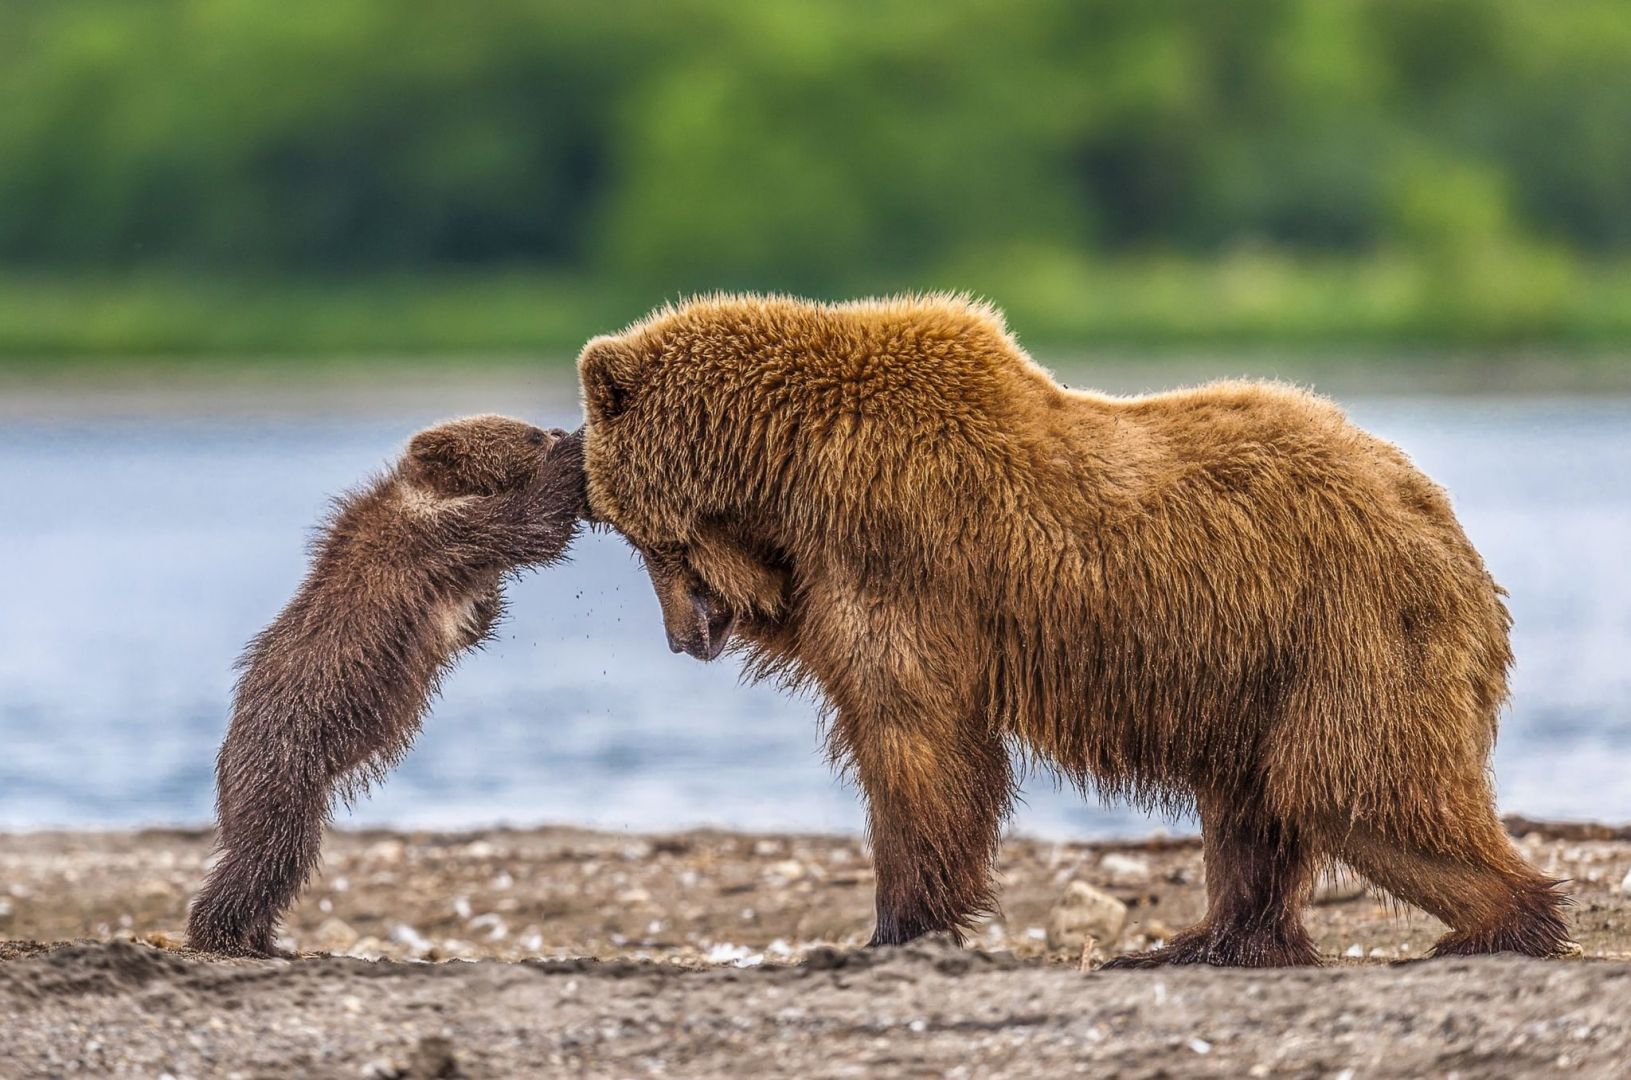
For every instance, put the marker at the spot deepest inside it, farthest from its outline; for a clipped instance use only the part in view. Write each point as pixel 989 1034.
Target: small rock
pixel 735 955
pixel 433 1059
pixel 791 869
pixel 368 948
pixel 1083 914
pixel 451 949
pixel 1124 869
pixel 388 851
pixel 493 923
pixel 334 935
pixel 635 897
pixel 406 936
pixel 1625 883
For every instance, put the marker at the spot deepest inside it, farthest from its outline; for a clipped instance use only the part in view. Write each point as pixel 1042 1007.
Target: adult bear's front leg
pixel 908 725
pixel 936 800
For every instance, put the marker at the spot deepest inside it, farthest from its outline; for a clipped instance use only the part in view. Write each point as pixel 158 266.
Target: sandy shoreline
pixel 709 952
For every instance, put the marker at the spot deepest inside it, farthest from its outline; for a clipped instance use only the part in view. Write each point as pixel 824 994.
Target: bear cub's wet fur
pixel 405 577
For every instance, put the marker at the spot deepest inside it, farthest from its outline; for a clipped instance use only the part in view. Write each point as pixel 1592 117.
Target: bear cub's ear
pixel 438 445
pixel 609 369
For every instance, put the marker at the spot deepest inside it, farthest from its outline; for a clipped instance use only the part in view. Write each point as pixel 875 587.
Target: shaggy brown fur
pixel 1226 599
pixel 406 576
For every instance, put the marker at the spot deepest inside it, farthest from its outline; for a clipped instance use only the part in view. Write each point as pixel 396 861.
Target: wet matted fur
pixel 406 576
pixel 1225 599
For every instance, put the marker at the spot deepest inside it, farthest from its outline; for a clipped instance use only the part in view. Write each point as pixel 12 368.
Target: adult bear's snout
pixel 697 622
pixel 708 630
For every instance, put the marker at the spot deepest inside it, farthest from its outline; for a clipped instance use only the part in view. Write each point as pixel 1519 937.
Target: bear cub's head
pixel 477 455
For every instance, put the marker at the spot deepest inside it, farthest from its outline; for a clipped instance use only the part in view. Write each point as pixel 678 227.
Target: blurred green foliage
pixel 189 175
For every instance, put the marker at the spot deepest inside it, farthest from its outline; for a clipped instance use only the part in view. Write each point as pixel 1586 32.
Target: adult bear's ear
pixel 609 369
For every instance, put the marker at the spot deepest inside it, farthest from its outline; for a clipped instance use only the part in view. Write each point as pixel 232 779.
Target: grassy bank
pixel 1248 302
pixel 51 322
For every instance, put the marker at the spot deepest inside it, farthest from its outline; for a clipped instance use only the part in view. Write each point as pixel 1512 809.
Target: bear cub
pixel 405 577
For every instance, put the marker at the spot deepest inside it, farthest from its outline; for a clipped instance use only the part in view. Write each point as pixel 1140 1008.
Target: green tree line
pixel 1470 156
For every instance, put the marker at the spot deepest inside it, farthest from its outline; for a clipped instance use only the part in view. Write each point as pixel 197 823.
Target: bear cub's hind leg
pixel 273 806
pixel 1258 874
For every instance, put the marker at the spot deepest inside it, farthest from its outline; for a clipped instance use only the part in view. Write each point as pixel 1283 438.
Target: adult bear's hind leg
pixel 1468 875
pixel 1258 873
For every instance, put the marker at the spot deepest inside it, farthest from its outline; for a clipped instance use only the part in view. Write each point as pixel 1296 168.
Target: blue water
pixel 137 555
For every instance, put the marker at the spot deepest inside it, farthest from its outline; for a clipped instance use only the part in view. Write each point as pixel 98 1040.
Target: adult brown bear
pixel 1226 599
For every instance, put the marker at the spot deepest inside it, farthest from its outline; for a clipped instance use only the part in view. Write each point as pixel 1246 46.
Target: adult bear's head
pixel 676 450
pixel 756 450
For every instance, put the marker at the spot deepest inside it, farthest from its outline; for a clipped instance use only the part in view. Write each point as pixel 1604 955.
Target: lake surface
pixel 138 554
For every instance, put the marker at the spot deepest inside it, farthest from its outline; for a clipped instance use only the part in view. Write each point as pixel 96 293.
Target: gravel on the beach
pixel 707 953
